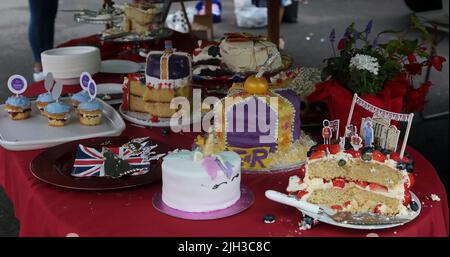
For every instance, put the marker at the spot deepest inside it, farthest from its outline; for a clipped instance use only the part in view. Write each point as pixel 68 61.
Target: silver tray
pixel 34 132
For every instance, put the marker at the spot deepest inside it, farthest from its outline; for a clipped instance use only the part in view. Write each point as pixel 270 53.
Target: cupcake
pixel 18 107
pixel 90 113
pixel 43 100
pixel 57 114
pixel 78 98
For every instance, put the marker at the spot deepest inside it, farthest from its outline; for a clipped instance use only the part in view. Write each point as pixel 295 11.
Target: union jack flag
pixel 89 161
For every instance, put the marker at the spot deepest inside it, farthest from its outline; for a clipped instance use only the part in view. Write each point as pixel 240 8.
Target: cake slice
pixel 355 182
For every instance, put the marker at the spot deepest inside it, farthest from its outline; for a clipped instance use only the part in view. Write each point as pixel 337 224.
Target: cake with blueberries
pixel 18 107
pixel 90 113
pixel 371 180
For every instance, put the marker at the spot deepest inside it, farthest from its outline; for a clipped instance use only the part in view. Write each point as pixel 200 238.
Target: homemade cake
pixel 57 113
pixel 243 53
pixel 90 113
pixel 80 97
pixel 201 180
pixel 142 18
pixel 43 100
pixel 207 61
pixel 168 75
pixel 354 181
pixel 278 143
pixel 18 107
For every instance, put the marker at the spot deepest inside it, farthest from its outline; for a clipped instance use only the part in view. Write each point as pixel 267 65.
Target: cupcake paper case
pixel 90 113
pixel 57 113
pixel 18 107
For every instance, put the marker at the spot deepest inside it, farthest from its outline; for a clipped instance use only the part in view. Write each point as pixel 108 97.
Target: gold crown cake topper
pixel 258 84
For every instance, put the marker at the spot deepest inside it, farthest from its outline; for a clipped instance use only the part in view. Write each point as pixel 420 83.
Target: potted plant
pixel 381 73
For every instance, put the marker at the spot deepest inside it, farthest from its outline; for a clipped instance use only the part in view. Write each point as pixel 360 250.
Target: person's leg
pixel 49 21
pixel 35 32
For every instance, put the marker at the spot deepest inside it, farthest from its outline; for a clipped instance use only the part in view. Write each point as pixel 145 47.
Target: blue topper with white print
pixel 17 84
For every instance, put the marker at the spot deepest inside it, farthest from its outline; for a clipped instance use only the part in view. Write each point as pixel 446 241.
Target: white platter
pixel 109 88
pixel 143 119
pixel 67 63
pixel 328 220
pixel 120 66
pixel 34 132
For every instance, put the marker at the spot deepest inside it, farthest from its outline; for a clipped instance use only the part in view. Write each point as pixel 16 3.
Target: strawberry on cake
pixel 370 180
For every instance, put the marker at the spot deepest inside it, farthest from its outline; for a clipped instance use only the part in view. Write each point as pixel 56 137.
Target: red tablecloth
pixel 46 210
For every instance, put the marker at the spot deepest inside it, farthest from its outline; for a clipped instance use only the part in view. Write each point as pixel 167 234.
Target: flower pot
pixel 339 100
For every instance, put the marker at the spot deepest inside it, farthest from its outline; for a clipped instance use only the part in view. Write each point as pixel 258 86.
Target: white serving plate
pixel 34 132
pixel 328 220
pixel 109 88
pixel 143 119
pixel 67 63
pixel 120 66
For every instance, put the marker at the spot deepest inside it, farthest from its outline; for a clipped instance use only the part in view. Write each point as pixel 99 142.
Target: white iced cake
pixel 246 54
pixel 196 183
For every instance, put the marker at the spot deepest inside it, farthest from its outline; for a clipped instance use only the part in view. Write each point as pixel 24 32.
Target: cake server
pixel 341 217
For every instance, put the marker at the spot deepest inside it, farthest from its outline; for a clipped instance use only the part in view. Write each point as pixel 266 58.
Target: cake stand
pixel 245 201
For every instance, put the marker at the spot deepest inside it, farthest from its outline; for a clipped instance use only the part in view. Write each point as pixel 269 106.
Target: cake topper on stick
pixel 56 91
pixel 48 82
pixel 85 78
pixel 17 84
pixel 326 132
pixel 368 133
pixel 257 84
pixel 208 148
pixel 92 90
pixel 387 116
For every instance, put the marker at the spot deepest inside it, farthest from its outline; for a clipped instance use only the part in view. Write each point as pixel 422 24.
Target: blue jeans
pixel 41 29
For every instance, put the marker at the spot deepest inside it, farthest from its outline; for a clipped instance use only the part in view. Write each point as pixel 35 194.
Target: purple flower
pixel 347 32
pixel 332 36
pixel 368 27
pixel 375 43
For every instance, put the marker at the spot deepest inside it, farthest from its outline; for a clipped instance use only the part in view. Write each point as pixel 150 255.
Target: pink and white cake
pixel 196 183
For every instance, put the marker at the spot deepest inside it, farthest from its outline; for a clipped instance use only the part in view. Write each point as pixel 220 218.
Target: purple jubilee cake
pixel 262 128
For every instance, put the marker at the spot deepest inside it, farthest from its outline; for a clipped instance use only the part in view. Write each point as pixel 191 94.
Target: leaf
pixel 419 25
pixel 422 53
pixel 410 45
pixel 393 46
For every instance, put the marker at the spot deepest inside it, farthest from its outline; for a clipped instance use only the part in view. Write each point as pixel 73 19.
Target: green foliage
pixel 391 57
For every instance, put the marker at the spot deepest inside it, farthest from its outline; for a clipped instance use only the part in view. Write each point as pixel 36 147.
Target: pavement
pixel 306 42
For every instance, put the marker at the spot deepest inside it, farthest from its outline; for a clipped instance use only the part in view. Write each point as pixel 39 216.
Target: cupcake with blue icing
pixel 58 114
pixel 18 107
pixel 43 100
pixel 90 112
pixel 78 98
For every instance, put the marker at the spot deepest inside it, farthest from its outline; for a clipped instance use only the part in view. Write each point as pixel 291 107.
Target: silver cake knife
pixel 341 217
